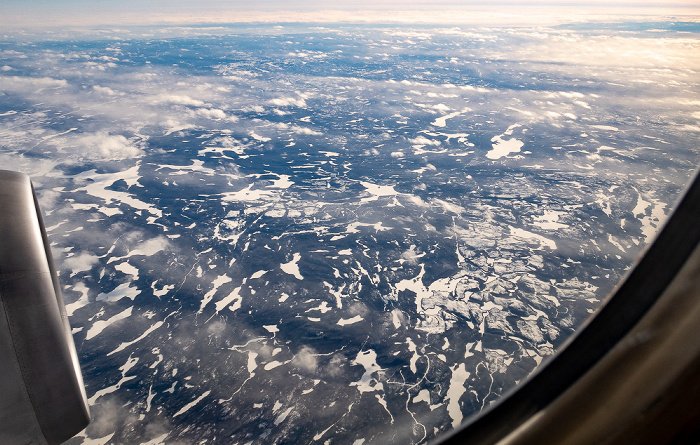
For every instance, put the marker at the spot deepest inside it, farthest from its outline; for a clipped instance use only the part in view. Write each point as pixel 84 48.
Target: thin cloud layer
pixel 258 243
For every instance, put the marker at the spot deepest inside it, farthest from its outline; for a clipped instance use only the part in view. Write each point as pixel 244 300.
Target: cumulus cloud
pixel 178 100
pixel 109 416
pixel 411 256
pixel 82 262
pixel 48 198
pixel 98 146
pixel 104 90
pixel 358 309
pixel 29 84
pixel 216 328
pixel 306 359
pixel 449 207
pixel 304 130
pixel 229 143
pixel 297 129
pixel 152 246
pixel 174 125
pixel 211 113
pixel 108 147
pixel 422 140
pixel 287 101
pixel 336 365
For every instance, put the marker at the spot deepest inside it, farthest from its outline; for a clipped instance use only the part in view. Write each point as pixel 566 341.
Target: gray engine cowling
pixel 42 397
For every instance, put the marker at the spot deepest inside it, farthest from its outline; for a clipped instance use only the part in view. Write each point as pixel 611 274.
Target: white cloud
pixel 253 108
pixel 573 94
pixel 411 256
pixel 358 309
pixel 297 129
pixel 82 262
pixel 30 84
pixel 100 146
pixel 48 198
pixel 174 125
pixel 151 246
pixel 178 99
pixel 306 359
pixel 422 140
pixel 211 113
pixel 108 147
pixel 287 101
pixel 449 207
pixel 104 90
pixel 304 130
pixel 335 366
pixel 229 143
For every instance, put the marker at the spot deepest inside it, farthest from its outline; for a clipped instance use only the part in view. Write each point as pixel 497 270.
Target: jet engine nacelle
pixel 42 397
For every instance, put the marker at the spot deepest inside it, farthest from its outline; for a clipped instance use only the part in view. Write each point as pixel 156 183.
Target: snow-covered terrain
pixel 349 234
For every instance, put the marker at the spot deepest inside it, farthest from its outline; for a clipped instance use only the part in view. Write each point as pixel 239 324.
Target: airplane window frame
pixel 633 296
pixel 632 299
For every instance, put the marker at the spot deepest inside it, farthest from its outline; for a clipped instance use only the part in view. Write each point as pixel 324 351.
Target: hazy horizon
pixel 41 13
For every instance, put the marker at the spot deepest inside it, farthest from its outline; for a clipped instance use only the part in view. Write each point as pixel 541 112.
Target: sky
pixel 42 13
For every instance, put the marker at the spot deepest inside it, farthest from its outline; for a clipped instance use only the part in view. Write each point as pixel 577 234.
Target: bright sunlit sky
pixel 30 13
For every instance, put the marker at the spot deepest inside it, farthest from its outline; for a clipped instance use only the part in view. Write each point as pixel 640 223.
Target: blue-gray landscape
pixel 339 234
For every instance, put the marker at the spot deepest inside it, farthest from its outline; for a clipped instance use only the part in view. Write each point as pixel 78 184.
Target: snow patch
pixel 100 325
pixel 292 267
